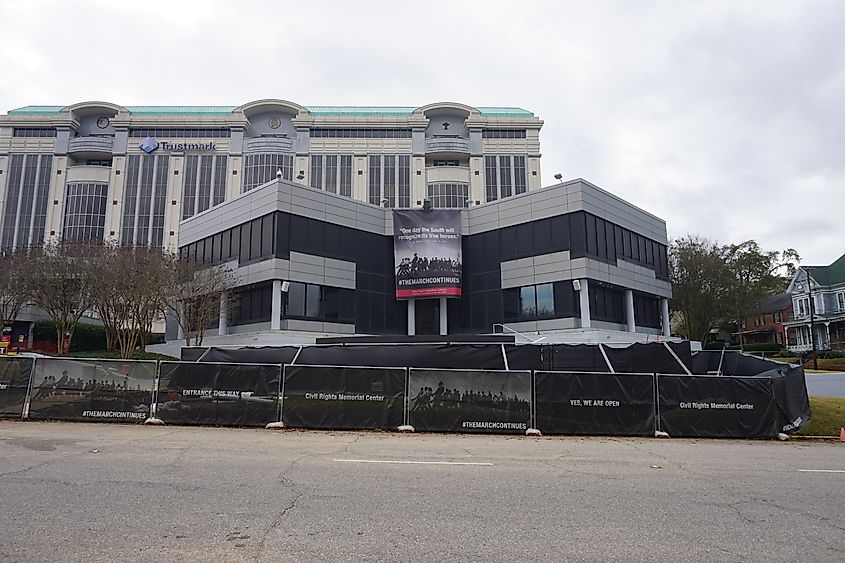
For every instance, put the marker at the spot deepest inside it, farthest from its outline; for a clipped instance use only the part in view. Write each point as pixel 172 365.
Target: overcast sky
pixel 727 119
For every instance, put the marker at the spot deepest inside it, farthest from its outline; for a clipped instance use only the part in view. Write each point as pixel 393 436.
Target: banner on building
pixel 497 402
pixel 218 394
pixel 344 398
pixel 427 253
pixel 713 406
pixel 92 390
pixel 595 403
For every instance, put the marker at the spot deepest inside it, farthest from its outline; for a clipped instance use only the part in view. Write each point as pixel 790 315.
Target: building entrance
pixel 427 316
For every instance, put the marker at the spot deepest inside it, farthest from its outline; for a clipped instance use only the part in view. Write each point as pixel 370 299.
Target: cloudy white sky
pixel 725 118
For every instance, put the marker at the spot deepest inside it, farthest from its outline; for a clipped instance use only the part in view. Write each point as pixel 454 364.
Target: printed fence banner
pixel 427 253
pixel 594 403
pixel 730 407
pixel 92 390
pixel 14 381
pixel 470 401
pixel 337 397
pixel 218 394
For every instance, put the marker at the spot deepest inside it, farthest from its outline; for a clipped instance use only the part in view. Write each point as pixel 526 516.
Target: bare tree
pixel 129 288
pixel 194 296
pixel 14 292
pixel 59 282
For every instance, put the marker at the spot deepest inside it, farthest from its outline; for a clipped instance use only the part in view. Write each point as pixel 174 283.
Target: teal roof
pixel 36 110
pixel 381 111
pixel 181 110
pixel 363 111
pixel 504 112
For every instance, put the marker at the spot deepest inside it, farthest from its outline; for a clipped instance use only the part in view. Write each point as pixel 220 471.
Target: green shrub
pixel 763 347
pixel 86 337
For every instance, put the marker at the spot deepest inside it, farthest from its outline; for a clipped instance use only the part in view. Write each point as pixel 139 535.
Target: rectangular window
pixel 505 187
pixel 317 171
pixel 331 173
pixel 296 299
pixel 503 134
pixel 85 212
pixel 527 303
pixel 389 191
pixel 491 185
pixel 519 175
pixel 448 195
pixel 545 300
pixel 361 133
pixel 25 212
pixel 179 133
pixel 145 196
pixel 840 300
pixel 345 176
pixel 404 182
pixel 312 301
pixel 375 180
pixel 262 168
pixel 33 132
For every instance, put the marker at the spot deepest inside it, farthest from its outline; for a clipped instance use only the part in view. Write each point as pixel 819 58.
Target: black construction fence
pixel 472 388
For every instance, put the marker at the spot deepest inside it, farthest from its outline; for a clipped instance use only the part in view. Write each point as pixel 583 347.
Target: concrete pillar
pixel 412 317
pixel 444 319
pixel 276 309
pixel 664 315
pixel 180 334
pixel 585 304
pixel 223 322
pixel 629 311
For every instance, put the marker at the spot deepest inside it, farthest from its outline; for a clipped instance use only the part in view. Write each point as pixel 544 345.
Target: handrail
pixel 505 327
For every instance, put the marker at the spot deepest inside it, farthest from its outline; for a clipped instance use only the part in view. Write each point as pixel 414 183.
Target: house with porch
pixel 818 301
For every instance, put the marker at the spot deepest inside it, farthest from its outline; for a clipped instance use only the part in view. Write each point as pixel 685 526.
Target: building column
pixel 827 333
pixel 585 304
pixel 276 309
pixel 629 310
pixel 412 317
pixel 180 333
pixel 444 318
pixel 664 314
pixel 223 322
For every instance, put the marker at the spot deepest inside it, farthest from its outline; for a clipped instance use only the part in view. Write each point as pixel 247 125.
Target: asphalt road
pixel 113 492
pixel 826 384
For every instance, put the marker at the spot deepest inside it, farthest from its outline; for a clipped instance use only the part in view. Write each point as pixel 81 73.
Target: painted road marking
pixel 401 462
pixel 822 470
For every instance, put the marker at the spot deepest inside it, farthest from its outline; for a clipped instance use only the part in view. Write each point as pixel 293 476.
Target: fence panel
pixel 713 406
pixel 595 403
pixel 92 390
pixel 218 394
pixel 343 397
pixel 15 373
pixel 470 400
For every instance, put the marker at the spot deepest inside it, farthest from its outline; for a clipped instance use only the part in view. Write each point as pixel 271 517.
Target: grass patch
pixel 828 417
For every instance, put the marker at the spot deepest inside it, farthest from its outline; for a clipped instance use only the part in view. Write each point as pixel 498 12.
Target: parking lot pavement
pixel 108 491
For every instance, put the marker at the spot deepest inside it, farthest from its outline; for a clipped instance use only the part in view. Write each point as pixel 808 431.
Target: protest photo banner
pixel 343 398
pixel 92 390
pixel 427 253
pixel 613 404
pixel 14 381
pixel 495 402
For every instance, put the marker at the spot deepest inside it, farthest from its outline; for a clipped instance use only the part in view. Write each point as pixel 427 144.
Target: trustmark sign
pixel 150 145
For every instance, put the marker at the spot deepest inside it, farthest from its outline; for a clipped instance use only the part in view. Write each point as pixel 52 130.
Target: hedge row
pixel 86 338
